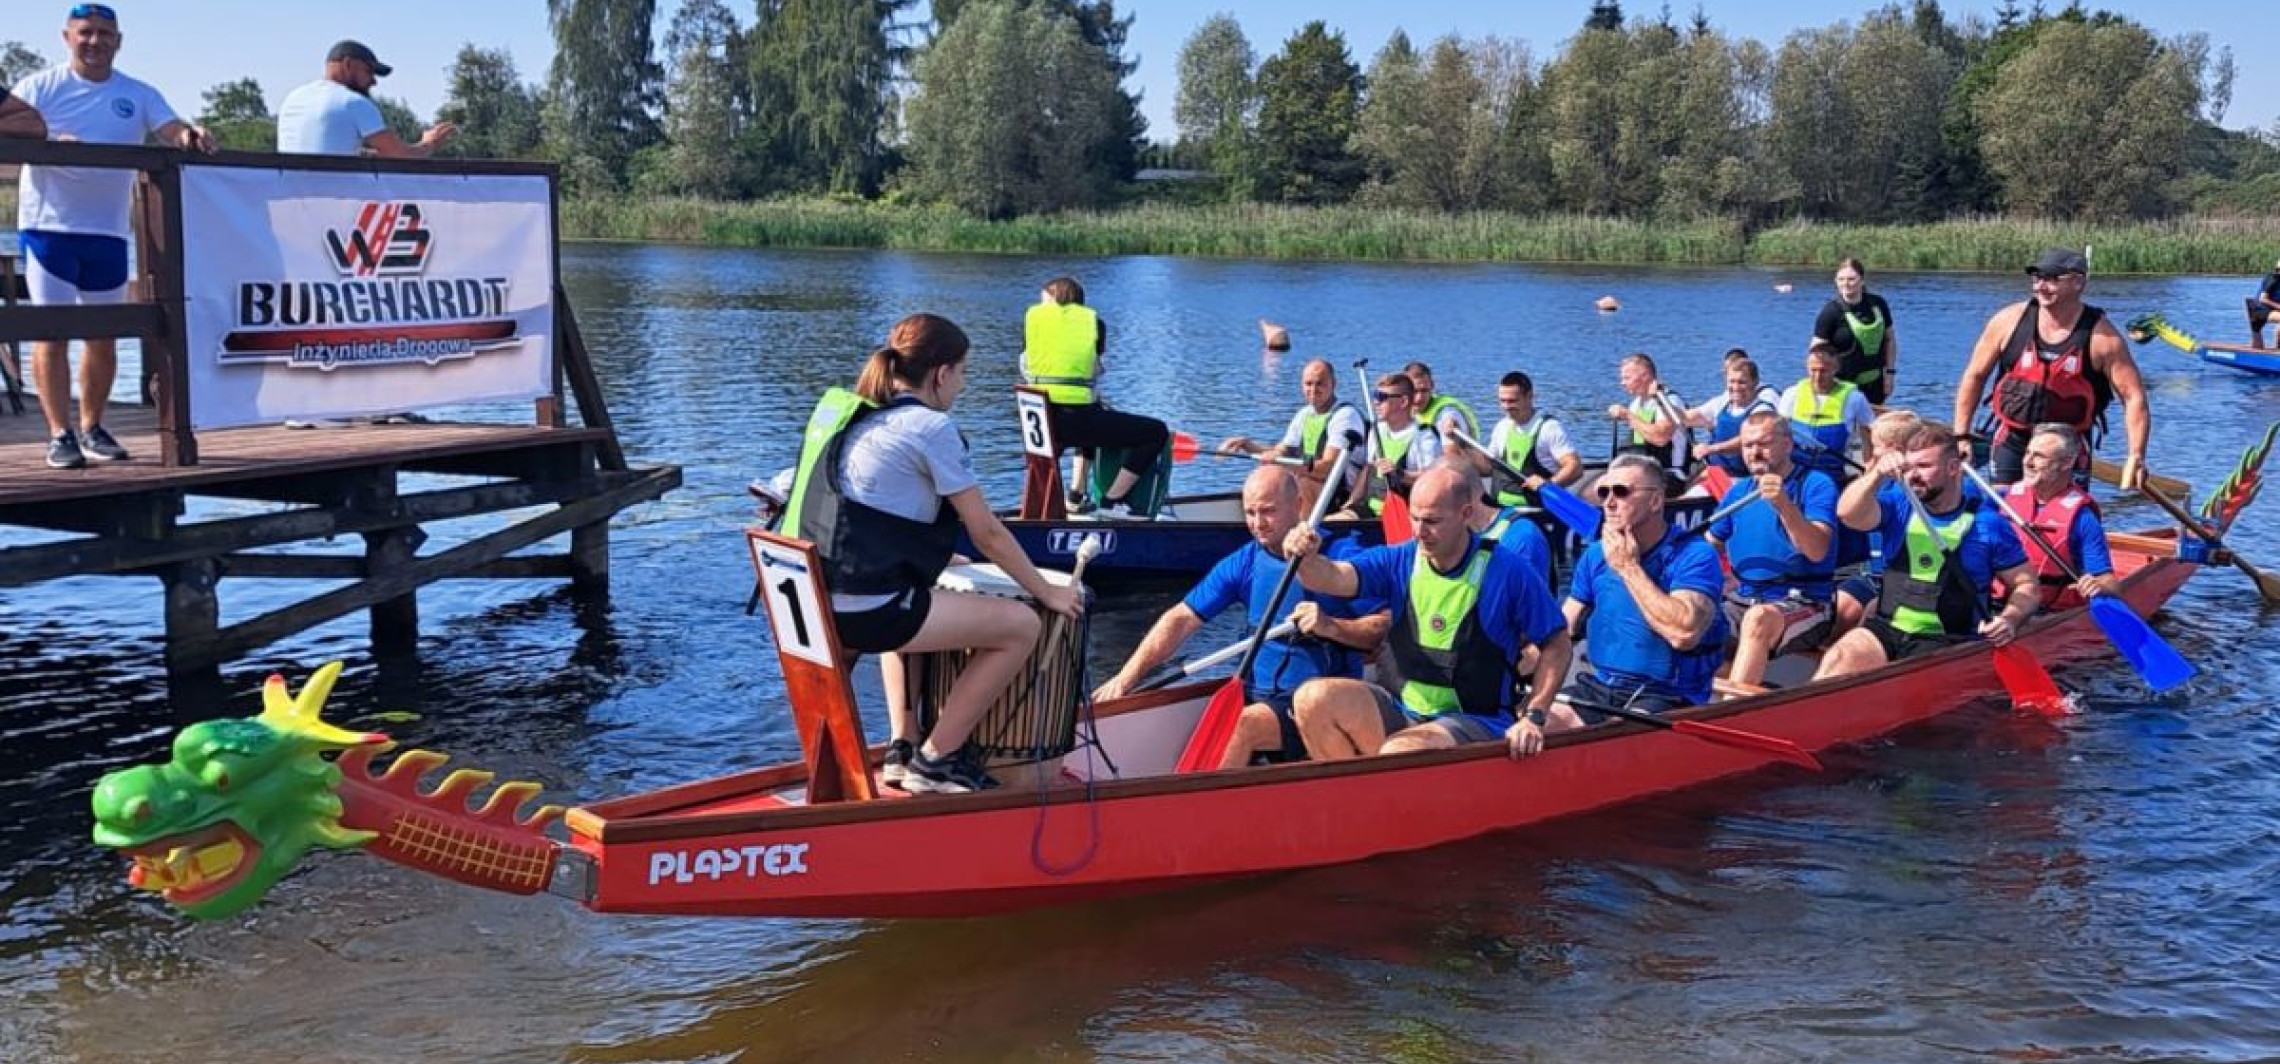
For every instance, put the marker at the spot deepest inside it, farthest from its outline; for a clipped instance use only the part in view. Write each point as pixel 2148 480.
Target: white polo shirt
pixel 116 110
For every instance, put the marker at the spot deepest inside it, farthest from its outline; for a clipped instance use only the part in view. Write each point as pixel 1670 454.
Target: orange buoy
pixel 1608 303
pixel 1277 337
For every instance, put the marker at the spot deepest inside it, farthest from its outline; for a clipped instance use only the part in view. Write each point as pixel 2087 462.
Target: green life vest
pixel 864 550
pixel 1440 403
pixel 832 414
pixel 1918 596
pixel 1520 454
pixel 1313 427
pixel 1393 450
pixel 1870 336
pixel 1447 664
pixel 1061 351
pixel 1823 410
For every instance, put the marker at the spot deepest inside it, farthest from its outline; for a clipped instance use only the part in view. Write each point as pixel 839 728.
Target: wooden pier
pixel 386 483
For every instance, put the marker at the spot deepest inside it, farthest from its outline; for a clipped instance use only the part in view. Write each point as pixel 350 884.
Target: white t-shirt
pixel 1857 414
pixel 1552 444
pixel 116 110
pixel 325 117
pixel 904 459
pixel 1424 447
pixel 1667 406
pixel 1343 419
pixel 1709 409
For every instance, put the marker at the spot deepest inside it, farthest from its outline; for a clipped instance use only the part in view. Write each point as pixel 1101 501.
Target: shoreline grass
pixel 2193 245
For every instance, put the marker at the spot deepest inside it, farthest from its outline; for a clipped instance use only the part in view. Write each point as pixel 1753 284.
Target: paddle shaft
pixel 1711 733
pixel 1545 497
pixel 1290 566
pixel 2033 533
pixel 2266 586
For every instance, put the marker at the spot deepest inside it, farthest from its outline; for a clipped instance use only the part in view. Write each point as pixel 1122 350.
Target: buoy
pixel 1608 303
pixel 1277 337
pixel 1784 287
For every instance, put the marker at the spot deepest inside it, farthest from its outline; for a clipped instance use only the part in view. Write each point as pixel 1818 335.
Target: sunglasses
pixel 1619 491
pixel 93 11
pixel 1384 396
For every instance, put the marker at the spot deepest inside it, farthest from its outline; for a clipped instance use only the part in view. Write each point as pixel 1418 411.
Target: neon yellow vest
pixel 1432 414
pixel 1439 606
pixel 1519 451
pixel 1394 451
pixel 1928 545
pixel 832 413
pixel 1824 410
pixel 1061 351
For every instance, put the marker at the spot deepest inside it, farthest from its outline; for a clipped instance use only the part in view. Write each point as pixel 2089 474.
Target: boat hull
pixel 1020 848
pixel 2258 360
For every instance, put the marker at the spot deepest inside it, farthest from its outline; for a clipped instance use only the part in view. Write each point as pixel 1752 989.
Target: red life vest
pixel 2055 520
pixel 2056 383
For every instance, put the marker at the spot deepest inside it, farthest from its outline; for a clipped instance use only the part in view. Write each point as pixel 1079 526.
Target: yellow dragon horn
pixel 300 714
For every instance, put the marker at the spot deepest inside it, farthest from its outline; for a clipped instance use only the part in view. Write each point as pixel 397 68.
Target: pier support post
pixel 590 557
pixel 193 616
pixel 396 621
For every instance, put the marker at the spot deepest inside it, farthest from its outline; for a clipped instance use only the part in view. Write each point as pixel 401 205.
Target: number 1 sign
pixel 815 679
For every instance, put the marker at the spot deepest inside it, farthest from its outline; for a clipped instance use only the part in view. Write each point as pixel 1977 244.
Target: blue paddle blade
pixel 1578 515
pixel 2155 660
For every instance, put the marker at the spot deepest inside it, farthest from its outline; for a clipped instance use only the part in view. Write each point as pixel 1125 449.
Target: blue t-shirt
pixel 1515 608
pixel 1765 561
pixel 1249 576
pixel 1886 495
pixel 1990 547
pixel 1625 650
pixel 2089 544
pixel 1521 536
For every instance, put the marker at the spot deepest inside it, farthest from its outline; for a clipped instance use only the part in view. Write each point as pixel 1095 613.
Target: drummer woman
pixel 1858 324
pixel 903 487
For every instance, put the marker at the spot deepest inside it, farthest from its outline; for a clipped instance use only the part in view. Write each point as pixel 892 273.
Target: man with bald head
pixel 1463 614
pixel 1334 632
pixel 1316 429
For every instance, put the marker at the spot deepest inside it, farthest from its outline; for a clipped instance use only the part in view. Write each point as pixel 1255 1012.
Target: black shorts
pixel 1900 646
pixel 1094 425
pixel 1586 688
pixel 1293 747
pixel 2258 313
pixel 889 627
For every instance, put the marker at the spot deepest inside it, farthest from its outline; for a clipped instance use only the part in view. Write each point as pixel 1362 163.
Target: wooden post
pixel 815 668
pixel 590 557
pixel 167 347
pixel 193 617
pixel 396 621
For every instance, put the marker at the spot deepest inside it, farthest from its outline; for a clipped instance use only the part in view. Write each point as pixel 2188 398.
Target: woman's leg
pixel 1000 631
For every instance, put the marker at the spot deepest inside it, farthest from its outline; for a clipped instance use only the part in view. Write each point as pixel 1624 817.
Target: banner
pixel 320 294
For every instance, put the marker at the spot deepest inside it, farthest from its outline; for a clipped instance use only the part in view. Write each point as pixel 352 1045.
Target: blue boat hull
pixel 2247 359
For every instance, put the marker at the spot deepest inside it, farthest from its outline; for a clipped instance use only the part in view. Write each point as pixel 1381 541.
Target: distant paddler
pixel 1530 441
pixel 2055 358
pixel 1443 412
pixel 2262 304
pixel 1063 341
pixel 1313 431
pixel 1400 447
pixel 882 488
pixel 1857 325
pixel 1657 420
pixel 1829 410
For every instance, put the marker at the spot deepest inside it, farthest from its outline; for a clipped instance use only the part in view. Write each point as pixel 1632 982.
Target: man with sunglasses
pixel 1400 447
pixel 74 220
pixel 335 115
pixel 1464 615
pixel 1648 598
pixel 1784 552
pixel 2056 359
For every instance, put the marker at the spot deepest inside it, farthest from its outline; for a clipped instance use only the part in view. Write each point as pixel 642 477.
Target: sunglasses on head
pixel 93 11
pixel 1619 491
pixel 1383 396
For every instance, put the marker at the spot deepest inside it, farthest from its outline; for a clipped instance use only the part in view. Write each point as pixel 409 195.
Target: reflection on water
pixel 2090 889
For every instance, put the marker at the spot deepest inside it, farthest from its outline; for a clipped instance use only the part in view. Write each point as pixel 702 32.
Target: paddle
pixel 2109 473
pixel 1712 733
pixel 2267 585
pixel 1581 517
pixel 1399 529
pixel 2023 678
pixel 1181 668
pixel 1208 743
pixel 2155 660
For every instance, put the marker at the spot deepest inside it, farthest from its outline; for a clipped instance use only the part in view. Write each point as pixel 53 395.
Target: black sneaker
pixel 897 766
pixel 1080 503
pixel 64 453
pixel 956 774
pixel 98 444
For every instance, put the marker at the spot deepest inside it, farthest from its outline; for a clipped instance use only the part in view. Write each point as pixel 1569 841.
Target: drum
pixel 1035 718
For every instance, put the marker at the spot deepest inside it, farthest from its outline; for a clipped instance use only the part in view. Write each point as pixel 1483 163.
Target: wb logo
pixel 388 238
pixel 1067 540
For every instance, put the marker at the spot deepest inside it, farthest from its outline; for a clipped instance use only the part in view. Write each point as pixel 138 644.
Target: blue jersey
pixel 1515 609
pixel 1765 561
pixel 1249 576
pixel 1989 547
pixel 1625 650
pixel 1518 533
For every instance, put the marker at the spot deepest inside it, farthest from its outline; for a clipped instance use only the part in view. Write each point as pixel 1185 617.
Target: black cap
pixel 357 51
pixel 2055 261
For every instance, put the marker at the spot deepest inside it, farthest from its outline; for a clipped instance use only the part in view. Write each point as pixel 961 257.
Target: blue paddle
pixel 2155 660
pixel 1566 505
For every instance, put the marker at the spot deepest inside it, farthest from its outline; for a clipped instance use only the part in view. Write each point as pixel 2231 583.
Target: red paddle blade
pixel 1209 741
pixel 2031 688
pixel 1778 747
pixel 1184 447
pixel 1398 528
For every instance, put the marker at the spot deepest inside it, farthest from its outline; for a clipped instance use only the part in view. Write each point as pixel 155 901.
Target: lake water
pixel 1984 887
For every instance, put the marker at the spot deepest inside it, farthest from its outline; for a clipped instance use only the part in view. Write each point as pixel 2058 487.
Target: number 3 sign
pixel 1029 405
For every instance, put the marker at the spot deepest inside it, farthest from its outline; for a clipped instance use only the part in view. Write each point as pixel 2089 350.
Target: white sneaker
pixel 1115 511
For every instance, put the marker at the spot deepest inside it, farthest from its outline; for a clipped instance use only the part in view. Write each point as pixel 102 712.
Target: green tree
pixel 1390 120
pixel 1217 106
pixel 1857 119
pixel 1449 131
pixel 821 83
pixel 1610 117
pixel 1104 31
pixel 1309 103
pixel 18 61
pixel 1010 109
pixel 1605 15
pixel 703 125
pixel 401 119
pixel 237 116
pixel 496 112
pixel 1711 170
pixel 604 84
pixel 2091 121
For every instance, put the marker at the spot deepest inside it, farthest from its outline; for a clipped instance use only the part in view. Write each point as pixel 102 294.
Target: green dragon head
pixel 238 804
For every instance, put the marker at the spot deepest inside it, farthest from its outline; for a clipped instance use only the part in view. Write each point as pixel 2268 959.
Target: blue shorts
pixel 1861 587
pixel 1293 747
pixel 75 268
pixel 1585 689
pixel 1463 727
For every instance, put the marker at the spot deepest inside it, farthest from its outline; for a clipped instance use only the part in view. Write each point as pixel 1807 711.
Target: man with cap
pixel 335 115
pixel 2262 304
pixel 2055 359
pixel 74 219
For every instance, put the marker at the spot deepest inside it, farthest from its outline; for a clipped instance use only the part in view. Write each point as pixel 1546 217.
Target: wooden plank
pixel 20 324
pixel 592 408
pixel 167 347
pixel 354 567
pixel 141 157
pixel 234 641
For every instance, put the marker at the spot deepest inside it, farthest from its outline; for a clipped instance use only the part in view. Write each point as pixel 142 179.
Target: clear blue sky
pixel 186 46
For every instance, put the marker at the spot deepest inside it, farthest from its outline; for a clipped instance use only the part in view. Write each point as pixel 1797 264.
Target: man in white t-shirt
pixel 74 220
pixel 1528 440
pixel 1319 425
pixel 1401 448
pixel 335 115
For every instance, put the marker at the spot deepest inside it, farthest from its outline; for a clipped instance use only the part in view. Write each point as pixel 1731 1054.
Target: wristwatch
pixel 1535 717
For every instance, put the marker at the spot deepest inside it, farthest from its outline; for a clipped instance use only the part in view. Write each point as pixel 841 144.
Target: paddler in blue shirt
pixel 1654 632
pixel 1334 634
pixel 1463 615
pixel 1938 566
pixel 1783 552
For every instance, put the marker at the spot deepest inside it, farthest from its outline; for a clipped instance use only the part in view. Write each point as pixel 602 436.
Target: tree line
pixel 1014 107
